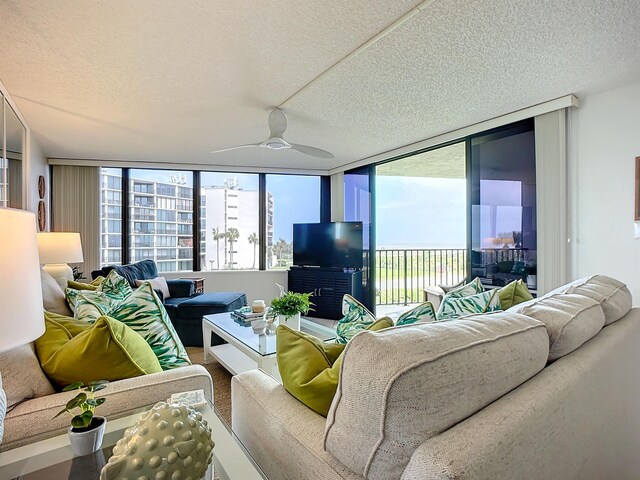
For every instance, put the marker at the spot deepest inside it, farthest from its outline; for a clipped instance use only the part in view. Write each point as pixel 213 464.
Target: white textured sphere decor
pixel 169 442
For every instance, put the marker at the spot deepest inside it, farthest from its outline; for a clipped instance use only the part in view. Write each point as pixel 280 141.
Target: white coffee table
pixel 245 349
pixel 51 459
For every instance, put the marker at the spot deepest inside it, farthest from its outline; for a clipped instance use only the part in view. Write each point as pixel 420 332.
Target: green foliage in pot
pixel 85 401
pixel 290 304
pixel 531 269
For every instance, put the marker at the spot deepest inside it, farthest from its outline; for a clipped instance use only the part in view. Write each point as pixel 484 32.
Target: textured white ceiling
pixel 168 81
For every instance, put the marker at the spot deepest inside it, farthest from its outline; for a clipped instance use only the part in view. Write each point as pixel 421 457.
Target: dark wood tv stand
pixel 328 286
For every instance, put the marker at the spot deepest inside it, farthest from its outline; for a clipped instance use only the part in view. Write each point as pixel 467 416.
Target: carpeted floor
pixel 221 383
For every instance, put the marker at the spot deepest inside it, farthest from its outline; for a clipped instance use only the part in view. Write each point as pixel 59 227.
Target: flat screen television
pixel 328 245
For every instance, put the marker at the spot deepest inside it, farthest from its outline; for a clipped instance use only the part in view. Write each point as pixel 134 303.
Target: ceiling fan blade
pixel 313 151
pixel 236 148
pixel 277 123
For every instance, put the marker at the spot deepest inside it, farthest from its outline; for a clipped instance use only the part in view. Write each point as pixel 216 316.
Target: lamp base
pixel 61 272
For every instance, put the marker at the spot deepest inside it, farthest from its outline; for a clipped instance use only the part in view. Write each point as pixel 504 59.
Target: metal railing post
pixel 406 296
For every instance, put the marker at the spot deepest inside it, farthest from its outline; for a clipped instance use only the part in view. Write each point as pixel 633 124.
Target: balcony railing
pixel 401 275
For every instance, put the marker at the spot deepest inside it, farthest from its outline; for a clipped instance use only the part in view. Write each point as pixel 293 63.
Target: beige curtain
pixel 76 208
pixel 551 200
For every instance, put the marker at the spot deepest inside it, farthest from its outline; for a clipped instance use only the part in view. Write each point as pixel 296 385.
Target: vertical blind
pixel 76 208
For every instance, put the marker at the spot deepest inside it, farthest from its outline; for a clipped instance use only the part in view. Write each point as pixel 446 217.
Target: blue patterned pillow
pixel 423 313
pixel 454 307
pixel 356 318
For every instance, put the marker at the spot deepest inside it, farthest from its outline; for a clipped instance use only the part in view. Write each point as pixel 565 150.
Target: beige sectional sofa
pixel 36 403
pixel 474 398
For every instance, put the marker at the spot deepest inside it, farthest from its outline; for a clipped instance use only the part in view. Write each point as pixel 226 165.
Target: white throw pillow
pixel 53 298
pixel 158 283
pixel 22 376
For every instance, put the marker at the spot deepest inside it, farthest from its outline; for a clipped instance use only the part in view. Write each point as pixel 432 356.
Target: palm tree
pixel 279 250
pixel 232 236
pixel 254 239
pixel 217 236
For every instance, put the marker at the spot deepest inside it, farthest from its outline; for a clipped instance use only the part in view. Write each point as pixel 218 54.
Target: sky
pixel 417 212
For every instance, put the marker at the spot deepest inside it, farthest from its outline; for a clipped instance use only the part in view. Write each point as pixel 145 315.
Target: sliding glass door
pixel 453 212
pixel 503 234
pixel 421 228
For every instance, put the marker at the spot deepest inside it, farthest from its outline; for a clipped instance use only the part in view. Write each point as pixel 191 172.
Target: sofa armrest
pixel 32 420
pixel 181 288
pixel 282 435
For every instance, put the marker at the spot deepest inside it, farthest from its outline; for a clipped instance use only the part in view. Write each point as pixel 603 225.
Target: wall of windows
pixel 290 200
pixel 244 221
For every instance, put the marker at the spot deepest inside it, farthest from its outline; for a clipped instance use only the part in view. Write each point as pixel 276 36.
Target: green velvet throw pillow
pixel 356 318
pixel 423 313
pixel 72 350
pixel 514 293
pixel 310 368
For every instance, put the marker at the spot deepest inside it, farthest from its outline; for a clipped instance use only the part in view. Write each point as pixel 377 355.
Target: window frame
pixel 125 220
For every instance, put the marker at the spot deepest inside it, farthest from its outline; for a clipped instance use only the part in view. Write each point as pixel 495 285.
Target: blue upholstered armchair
pixel 185 307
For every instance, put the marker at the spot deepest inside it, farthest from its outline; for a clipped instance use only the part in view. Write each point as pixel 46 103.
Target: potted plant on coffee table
pixel 288 308
pixel 86 430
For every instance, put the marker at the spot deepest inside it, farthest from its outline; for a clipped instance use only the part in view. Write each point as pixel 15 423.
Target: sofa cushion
pixel 33 420
pixel 454 307
pixel 513 294
pixel 614 296
pixel 72 350
pixel 22 376
pixel 310 367
pixel 356 318
pixel 143 312
pixel 205 304
pixel 423 313
pixel 426 378
pixel 570 319
pixel 53 298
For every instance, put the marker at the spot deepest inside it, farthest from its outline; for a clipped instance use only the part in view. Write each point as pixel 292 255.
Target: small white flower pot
pixel 292 322
pixel 86 442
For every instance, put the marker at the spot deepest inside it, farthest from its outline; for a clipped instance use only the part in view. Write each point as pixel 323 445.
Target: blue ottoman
pixel 186 313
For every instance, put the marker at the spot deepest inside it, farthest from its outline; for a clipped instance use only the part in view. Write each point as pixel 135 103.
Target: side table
pixel 198 282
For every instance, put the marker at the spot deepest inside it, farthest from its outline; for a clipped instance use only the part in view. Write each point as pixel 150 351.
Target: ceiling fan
pixel 277 126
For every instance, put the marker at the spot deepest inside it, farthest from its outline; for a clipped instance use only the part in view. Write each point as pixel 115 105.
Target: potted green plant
pixel 288 307
pixel 86 430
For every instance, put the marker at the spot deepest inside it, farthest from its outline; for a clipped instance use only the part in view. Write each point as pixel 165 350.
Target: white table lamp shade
pixel 60 247
pixel 21 311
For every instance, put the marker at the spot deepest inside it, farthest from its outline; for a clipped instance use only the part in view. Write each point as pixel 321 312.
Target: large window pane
pixel 503 224
pixel 111 218
pixel 420 227
pixel 229 205
pixel 290 199
pixel 157 230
